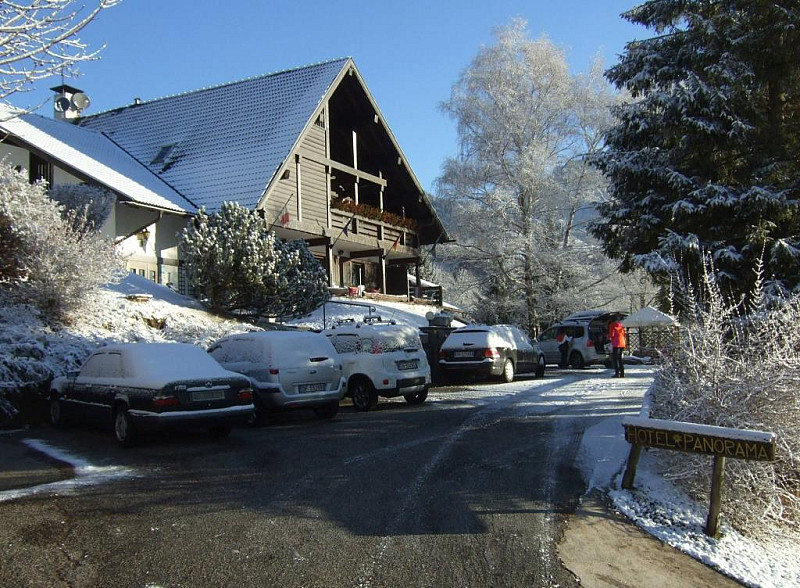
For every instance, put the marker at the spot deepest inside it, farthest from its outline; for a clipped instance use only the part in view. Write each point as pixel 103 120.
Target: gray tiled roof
pixel 94 155
pixel 227 141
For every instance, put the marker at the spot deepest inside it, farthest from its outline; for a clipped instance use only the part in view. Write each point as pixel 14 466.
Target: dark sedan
pixel 138 387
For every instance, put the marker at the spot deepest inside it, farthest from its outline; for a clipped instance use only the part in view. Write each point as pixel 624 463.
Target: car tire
pixel 540 366
pixel 363 393
pixel 219 432
pixel 56 412
pixel 327 411
pixel 418 398
pixel 508 371
pixel 576 360
pixel 124 429
pixel 259 416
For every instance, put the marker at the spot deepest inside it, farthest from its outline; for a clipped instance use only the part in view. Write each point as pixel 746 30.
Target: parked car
pixel 381 359
pixel 137 387
pixel 491 351
pixel 589 332
pixel 287 369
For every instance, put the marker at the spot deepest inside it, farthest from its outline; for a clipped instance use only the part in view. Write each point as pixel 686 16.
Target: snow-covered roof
pixel 649 317
pixel 95 156
pixel 423 282
pixel 226 142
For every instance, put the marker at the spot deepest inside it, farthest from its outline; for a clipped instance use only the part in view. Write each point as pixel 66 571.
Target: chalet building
pixel 307 147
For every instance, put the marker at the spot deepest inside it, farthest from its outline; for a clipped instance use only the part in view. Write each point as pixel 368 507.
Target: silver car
pixel 287 369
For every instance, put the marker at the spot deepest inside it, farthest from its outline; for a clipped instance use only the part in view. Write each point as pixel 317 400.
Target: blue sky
pixel 410 53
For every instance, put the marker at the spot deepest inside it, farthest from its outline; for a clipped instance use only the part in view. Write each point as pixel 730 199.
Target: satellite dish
pixel 429 315
pixel 80 100
pixel 62 104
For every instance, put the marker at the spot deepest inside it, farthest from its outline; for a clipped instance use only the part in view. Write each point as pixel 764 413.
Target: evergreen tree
pixel 236 264
pixel 705 156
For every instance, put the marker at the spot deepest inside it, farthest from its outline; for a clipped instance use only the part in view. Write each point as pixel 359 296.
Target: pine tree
pixel 704 159
pixel 237 265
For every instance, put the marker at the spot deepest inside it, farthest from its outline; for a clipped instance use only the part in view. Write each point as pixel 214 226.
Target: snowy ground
pixel 655 506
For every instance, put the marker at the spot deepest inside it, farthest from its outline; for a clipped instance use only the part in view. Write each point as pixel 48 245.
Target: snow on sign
pixel 721 442
pixel 693 438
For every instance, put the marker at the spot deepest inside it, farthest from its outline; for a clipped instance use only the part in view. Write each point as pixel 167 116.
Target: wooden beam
pixel 316 241
pixel 366 253
pixel 342 167
pixel 403 260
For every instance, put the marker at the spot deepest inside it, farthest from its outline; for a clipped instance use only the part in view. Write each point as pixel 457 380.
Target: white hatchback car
pixel 287 369
pixel 381 359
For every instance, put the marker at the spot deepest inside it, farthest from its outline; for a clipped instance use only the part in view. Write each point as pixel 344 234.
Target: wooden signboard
pixel 721 442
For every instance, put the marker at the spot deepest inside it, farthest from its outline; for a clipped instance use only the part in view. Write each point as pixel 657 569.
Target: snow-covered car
pixel 589 332
pixel 287 369
pixel 381 359
pixel 138 387
pixel 491 351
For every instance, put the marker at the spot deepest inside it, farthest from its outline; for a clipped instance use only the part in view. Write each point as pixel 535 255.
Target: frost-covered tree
pixel 519 191
pixel 89 205
pixel 236 264
pixel 48 257
pixel 705 157
pixel 38 40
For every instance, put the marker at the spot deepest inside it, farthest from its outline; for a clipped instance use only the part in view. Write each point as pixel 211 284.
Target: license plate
pixel 319 387
pixel 410 364
pixel 204 395
pixel 460 354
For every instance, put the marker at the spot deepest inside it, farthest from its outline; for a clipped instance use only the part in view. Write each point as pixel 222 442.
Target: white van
pixel 287 369
pixel 381 359
pixel 589 332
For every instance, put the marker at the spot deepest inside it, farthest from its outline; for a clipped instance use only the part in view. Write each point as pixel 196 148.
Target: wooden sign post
pixel 721 442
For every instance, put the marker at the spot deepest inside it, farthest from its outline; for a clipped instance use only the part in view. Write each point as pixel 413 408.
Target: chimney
pixel 68 102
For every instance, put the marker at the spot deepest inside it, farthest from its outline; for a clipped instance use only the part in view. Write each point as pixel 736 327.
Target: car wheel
pixel 56 408
pixel 364 396
pixel 327 411
pixel 258 417
pixel 124 429
pixel 539 372
pixel 219 432
pixel 576 360
pixel 417 398
pixel 508 371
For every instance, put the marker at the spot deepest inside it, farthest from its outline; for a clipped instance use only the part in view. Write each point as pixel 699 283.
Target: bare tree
pixel 38 40
pixel 520 189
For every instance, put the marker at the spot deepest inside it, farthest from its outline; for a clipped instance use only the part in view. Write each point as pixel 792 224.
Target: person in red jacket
pixel 616 334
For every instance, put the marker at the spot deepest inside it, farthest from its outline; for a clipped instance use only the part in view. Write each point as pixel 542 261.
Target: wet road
pixel 469 489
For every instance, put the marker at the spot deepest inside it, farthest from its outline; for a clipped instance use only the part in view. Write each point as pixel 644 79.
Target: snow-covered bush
pixel 92 205
pixel 738 366
pixel 49 261
pixel 237 265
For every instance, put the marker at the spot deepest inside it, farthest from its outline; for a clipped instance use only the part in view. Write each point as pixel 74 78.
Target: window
pixel 40 169
pixel 162 154
pixel 152 275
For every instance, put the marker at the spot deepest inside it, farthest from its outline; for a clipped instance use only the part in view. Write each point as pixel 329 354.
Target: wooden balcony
pixel 373 229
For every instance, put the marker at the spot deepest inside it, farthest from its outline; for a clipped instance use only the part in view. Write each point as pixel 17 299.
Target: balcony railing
pixel 372 228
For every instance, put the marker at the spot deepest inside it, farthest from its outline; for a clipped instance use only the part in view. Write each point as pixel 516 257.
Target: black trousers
pixel 616 361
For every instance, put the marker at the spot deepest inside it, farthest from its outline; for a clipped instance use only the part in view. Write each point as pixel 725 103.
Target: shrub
pixel 51 256
pixel 738 366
